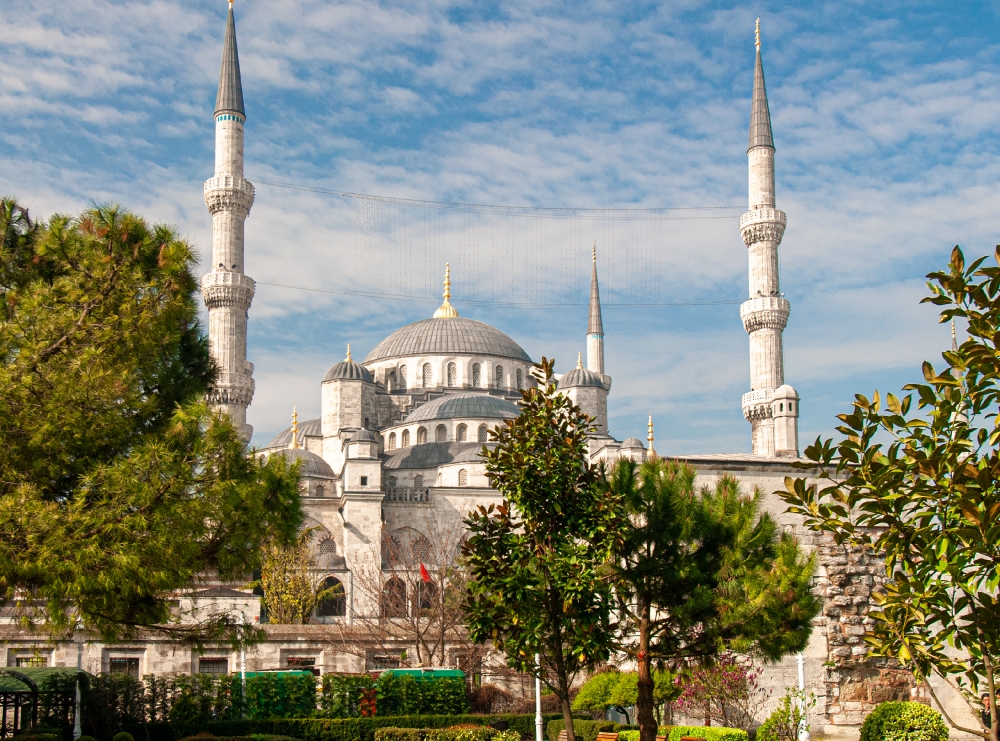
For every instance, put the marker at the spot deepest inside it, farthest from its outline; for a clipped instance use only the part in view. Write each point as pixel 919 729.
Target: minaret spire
pixel 446 310
pixel 227 291
pixel 595 326
pixel 765 314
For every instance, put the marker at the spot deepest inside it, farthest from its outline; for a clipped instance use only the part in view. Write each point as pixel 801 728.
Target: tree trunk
pixel 644 698
pixel 567 710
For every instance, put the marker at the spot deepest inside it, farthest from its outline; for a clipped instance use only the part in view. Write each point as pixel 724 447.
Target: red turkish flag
pixel 424 574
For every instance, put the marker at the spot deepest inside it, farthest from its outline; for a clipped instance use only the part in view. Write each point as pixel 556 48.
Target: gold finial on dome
pixel 295 429
pixel 757 35
pixel 649 438
pixel 579 360
pixel 593 253
pixel 446 311
pixel 348 358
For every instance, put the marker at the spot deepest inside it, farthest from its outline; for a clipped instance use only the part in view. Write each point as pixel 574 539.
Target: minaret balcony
pixel 762 225
pixel 225 288
pixel 231 388
pixel 228 193
pixel 757 404
pixel 765 312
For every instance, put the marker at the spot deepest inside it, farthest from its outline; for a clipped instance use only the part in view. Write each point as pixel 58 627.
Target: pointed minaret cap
pixel 954 337
pixel 649 438
pixel 446 310
pixel 760 114
pixel 594 323
pixel 230 97
pixel 295 429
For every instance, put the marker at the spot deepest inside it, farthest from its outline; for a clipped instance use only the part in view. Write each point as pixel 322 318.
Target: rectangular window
pixel 303 663
pixel 364 481
pixel 123 665
pixel 385 662
pixel 32 660
pixel 214 665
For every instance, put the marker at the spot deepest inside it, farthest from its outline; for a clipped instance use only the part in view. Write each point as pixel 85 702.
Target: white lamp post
pixel 538 701
pixel 803 726
pixel 77 720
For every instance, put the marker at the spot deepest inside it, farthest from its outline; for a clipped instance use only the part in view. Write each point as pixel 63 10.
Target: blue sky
pixel 886 120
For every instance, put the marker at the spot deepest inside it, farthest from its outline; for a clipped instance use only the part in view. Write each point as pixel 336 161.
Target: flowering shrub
pixel 726 694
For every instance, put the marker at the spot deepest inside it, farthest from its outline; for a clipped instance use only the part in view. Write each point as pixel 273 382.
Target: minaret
pixel 766 313
pixel 226 290
pixel 595 327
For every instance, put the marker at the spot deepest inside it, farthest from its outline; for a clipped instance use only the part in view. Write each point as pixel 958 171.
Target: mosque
pixel 393 464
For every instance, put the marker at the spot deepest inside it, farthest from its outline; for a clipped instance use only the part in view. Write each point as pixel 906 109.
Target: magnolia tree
pixel 922 486
pixel 727 693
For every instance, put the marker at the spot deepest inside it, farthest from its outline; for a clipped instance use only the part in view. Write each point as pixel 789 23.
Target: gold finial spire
pixel 579 360
pixel 295 429
pixel 649 437
pixel 593 253
pixel 954 338
pixel 446 311
pixel 348 351
pixel 757 35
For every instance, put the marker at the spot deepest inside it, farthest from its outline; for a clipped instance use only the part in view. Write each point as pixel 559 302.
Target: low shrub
pixel 628 736
pixel 123 736
pixel 86 738
pixel 584 730
pixel 399 734
pixel 904 721
pixel 710 733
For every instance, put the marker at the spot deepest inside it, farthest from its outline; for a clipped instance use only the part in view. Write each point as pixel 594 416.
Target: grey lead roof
pixel 432 455
pixel 580 377
pixel 465 406
pixel 311 465
pixel 348 370
pixel 760 115
pixel 594 323
pixel 230 97
pixel 309 428
pixel 447 336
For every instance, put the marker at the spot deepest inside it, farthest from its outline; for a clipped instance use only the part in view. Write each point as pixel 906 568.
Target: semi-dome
pixel 464 406
pixel 447 336
pixel 633 442
pixel 310 464
pixel 309 428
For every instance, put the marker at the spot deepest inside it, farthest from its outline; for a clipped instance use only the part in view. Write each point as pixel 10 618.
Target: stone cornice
pixel 765 312
pixel 762 225
pixel 227 193
pixel 225 288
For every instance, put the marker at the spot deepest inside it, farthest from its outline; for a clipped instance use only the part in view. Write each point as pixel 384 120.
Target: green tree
pixel 288 580
pixel 619 690
pixel 702 573
pixel 117 484
pixel 537 564
pixel 922 487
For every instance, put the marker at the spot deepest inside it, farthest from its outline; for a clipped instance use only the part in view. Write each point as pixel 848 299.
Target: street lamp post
pixel 538 700
pixel 803 726
pixel 77 720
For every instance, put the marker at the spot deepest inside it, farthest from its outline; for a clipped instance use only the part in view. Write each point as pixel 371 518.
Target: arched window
pixel 463 477
pixel 781 407
pixel 418 482
pixel 320 490
pixel 402 376
pixel 791 406
pixel 462 434
pixel 452 374
pixel 483 434
pixel 392 441
pixel 477 375
pixel 441 434
pixel 421 548
pixel 426 376
pixel 328 547
pixel 390 381
pixel 406 439
pixel 394 598
pixel 391 482
pixel 499 376
pixel 421 435
pixel 426 595
pixel 520 378
pixel 334 603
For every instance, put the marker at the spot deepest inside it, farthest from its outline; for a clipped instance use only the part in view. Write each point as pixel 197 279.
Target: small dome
pixel 633 442
pixel 465 406
pixel 580 377
pixel 447 336
pixel 310 464
pixel 348 370
pixel 309 428
pixel 785 392
pixel 363 436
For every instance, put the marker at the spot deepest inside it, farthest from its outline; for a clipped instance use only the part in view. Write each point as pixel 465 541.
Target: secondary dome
pixel 633 442
pixel 348 370
pixel 309 428
pixel 447 336
pixel 580 377
pixel 310 464
pixel 464 406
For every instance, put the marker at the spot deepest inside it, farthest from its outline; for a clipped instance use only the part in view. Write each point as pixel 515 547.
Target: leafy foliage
pixel 904 721
pixel 291 590
pixel 620 690
pixel 922 487
pixel 585 730
pixel 117 485
pixel 727 692
pixel 537 564
pixel 709 733
pixel 702 573
pixel 788 719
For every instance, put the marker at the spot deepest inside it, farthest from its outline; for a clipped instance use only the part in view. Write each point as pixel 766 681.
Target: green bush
pixel 86 738
pixel 628 736
pixel 710 733
pixel 399 734
pixel 123 736
pixel 585 730
pixel 904 721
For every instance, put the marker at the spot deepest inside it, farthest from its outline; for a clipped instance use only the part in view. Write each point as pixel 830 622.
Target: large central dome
pixel 453 335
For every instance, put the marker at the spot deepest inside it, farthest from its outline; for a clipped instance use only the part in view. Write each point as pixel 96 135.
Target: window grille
pixel 124 665
pixel 499 376
pixel 477 373
pixel 452 374
pixel 520 378
pixel 483 433
pixel 421 435
pixel 392 441
pixel 463 477
pixel 463 434
pixel 402 376
pixel 427 375
pixel 406 438
pixel 214 665
pixel 441 434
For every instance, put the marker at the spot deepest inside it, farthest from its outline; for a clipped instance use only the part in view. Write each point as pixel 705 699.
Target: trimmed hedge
pixel 710 733
pixel 585 730
pixel 458 733
pixel 904 721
